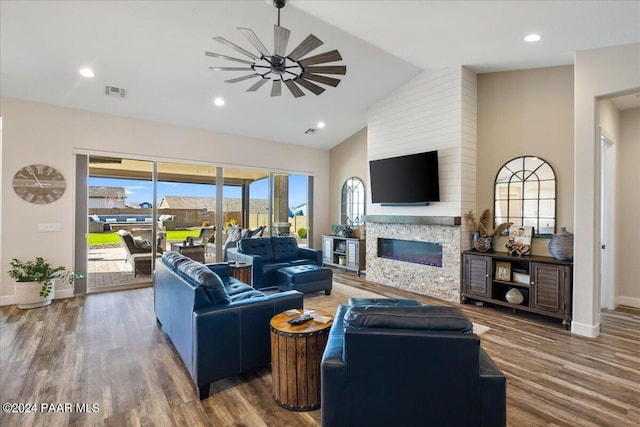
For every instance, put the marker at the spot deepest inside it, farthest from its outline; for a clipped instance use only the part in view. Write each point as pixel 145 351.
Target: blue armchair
pixel 405 365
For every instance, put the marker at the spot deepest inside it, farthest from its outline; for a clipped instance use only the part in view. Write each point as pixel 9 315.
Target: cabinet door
pixel 547 287
pixel 477 275
pixel 327 249
pixel 353 253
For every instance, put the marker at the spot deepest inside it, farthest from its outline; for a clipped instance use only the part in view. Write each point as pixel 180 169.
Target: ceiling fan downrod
pixel 279 4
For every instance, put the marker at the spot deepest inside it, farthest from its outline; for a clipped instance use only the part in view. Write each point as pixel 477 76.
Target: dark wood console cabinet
pixel 546 283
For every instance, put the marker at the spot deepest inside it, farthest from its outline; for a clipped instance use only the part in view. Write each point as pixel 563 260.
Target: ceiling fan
pixel 292 70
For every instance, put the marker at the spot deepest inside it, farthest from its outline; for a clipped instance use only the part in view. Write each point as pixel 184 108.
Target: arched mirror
pixel 352 202
pixel 525 194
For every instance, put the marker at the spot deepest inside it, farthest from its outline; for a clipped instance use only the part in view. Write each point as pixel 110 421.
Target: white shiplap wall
pixel 434 111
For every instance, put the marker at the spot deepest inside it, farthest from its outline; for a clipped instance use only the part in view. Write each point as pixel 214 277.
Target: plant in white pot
pixel 35 281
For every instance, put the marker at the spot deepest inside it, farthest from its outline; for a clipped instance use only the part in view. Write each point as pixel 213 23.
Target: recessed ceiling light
pixel 533 38
pixel 87 72
pixel 219 102
pixel 320 125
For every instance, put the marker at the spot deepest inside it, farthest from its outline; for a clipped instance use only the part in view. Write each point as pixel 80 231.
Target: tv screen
pixel 411 179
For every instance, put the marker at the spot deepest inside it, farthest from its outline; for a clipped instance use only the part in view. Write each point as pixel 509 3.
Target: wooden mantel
pixel 417 220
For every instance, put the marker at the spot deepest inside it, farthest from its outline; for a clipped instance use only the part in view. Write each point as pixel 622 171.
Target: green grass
pixel 112 237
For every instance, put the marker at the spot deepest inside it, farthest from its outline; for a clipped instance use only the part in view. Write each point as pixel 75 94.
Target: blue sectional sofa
pixel 218 324
pixel 268 254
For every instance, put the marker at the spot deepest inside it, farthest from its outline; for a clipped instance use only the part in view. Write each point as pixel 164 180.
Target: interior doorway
pixel 607 222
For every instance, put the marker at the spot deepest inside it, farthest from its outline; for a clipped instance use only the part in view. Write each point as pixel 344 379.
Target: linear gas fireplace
pixel 414 251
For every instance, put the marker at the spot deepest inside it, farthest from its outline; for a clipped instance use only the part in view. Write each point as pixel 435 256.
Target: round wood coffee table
pixel 296 352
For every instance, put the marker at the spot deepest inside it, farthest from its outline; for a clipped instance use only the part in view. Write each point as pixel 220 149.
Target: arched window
pixel 525 194
pixel 352 202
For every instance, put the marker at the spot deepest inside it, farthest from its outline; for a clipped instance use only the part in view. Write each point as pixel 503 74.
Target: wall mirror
pixel 525 194
pixel 352 202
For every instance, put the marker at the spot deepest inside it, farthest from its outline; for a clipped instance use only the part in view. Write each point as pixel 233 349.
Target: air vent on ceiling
pixel 115 91
pixel 311 131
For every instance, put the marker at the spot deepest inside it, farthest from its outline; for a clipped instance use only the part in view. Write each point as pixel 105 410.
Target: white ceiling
pixel 155 50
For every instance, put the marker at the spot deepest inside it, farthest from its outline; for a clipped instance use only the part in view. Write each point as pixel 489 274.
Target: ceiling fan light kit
pixel 295 70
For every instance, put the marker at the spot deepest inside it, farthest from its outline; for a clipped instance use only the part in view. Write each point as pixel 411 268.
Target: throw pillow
pixel 141 243
pixel 233 235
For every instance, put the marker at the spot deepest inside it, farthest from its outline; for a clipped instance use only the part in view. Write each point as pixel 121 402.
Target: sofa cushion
pixel 260 246
pixel 172 259
pixel 235 286
pixel 210 281
pixel 284 248
pixel 247 295
pixel 427 318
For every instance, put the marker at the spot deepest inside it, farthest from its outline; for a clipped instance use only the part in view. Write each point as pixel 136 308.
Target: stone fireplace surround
pixel 438 282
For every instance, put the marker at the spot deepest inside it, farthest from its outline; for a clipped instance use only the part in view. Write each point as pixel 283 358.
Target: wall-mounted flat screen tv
pixel 411 179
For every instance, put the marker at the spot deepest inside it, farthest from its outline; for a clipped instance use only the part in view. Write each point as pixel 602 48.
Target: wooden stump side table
pixel 296 353
pixel 241 271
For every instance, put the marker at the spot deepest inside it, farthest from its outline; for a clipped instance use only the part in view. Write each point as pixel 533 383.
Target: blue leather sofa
pixel 218 324
pixel 268 254
pixel 408 366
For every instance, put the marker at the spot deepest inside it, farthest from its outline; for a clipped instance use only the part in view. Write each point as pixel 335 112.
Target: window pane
pixel 545 172
pixel 547 209
pixel 531 208
pixel 531 189
pixel 532 163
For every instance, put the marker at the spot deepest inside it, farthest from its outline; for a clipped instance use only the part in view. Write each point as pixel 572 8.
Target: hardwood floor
pixel 107 349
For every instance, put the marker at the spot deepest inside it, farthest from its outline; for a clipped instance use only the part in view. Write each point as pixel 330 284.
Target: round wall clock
pixel 39 184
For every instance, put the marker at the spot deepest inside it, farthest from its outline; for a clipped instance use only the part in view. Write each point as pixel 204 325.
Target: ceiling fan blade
pixel 328 69
pixel 230 58
pixel 330 56
pixel 276 89
pixel 231 68
pixel 254 40
pixel 310 86
pixel 239 79
pixel 258 85
pixel 235 47
pixel 295 90
pixel 280 40
pixel 307 45
pixel 322 79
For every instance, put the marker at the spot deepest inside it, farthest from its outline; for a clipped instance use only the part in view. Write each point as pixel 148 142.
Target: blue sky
pixel 141 191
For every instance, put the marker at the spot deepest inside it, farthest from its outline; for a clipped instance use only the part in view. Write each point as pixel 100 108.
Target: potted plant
pixel 342 259
pixel 35 281
pixel 483 233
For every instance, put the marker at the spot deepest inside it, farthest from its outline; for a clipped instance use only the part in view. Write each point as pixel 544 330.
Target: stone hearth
pixel 439 282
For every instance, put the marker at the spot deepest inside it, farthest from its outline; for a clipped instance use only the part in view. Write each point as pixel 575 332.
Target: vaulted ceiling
pixel 155 50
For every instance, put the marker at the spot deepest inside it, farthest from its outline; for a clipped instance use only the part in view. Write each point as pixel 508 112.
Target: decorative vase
pixel 561 245
pixel 28 295
pixel 514 296
pixel 483 244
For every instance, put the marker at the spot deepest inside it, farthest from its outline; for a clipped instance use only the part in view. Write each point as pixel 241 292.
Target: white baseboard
pixel 628 301
pixel 6 300
pixel 62 293
pixel 589 331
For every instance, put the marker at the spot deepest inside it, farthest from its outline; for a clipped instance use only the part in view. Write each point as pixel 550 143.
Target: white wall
pixel 434 111
pixel 628 206
pixel 598 72
pixel 39 133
